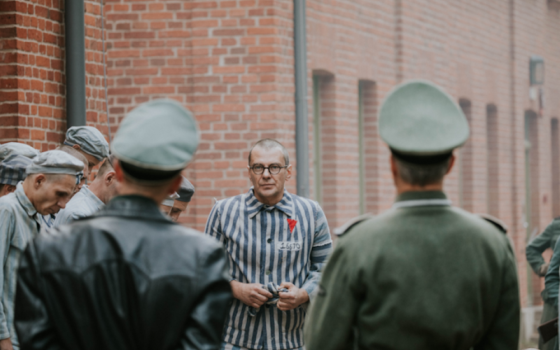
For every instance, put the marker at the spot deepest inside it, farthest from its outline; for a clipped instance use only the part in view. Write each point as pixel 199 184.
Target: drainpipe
pixel 302 133
pixel 75 63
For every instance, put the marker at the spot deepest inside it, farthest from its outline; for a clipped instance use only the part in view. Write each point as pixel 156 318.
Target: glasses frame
pixel 267 168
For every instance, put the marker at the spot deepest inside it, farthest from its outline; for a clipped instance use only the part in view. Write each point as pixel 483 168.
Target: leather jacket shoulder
pixel 126 278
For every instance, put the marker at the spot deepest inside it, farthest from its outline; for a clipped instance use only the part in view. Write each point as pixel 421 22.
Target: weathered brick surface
pixel 32 79
pixel 231 63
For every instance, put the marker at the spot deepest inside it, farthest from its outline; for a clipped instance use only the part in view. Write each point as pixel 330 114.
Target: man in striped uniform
pixel 277 244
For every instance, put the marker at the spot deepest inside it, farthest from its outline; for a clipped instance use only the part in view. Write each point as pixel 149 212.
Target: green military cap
pixel 419 119
pixel 155 140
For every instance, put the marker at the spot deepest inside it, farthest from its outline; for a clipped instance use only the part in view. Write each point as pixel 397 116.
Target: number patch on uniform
pixel 291 246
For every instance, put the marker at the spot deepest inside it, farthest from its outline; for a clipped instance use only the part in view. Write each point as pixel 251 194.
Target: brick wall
pixel 230 62
pixel 32 73
pixel 32 80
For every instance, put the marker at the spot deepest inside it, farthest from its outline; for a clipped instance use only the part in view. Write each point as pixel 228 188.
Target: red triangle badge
pixel 292 224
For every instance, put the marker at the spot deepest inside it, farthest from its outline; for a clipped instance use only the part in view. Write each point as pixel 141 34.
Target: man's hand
pixel 251 294
pixel 543 269
pixel 293 298
pixel 6 344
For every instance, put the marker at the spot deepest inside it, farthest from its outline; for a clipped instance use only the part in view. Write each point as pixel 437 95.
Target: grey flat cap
pixel 186 191
pixel 89 139
pixel 55 162
pixel 12 169
pixel 160 135
pixel 170 199
pixel 21 149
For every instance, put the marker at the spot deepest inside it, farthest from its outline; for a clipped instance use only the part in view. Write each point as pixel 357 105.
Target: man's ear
pixel 451 163
pixel 110 176
pixel 10 189
pixel 77 147
pixel 289 172
pixel 175 184
pixel 39 180
pixel 118 171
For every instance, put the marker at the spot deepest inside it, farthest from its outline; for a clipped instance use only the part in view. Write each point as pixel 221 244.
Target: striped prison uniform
pixel 287 242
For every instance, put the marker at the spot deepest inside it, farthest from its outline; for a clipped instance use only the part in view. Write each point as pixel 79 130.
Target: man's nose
pixel 266 173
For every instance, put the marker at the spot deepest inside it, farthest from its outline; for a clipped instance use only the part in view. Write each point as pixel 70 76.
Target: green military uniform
pixel 534 251
pixel 424 275
pixel 544 241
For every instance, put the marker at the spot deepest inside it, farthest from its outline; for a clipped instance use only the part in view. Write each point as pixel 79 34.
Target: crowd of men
pixel 102 264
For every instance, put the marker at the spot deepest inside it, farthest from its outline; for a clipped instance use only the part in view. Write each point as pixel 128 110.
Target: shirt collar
pixel 87 192
pixel 133 206
pixel 24 201
pixel 421 198
pixel 286 204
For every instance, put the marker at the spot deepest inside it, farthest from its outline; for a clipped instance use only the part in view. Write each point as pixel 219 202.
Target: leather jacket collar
pixel 133 206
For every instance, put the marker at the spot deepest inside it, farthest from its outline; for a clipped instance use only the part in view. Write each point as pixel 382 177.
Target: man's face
pixel 269 186
pixel 52 192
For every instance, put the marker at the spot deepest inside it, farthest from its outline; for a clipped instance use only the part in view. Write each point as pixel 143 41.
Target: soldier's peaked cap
pixel 418 118
pixel 159 135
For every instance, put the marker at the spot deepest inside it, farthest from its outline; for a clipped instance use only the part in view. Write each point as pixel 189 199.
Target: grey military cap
pixel 55 162
pixel 419 119
pixel 186 191
pixel 21 149
pixel 89 139
pixel 13 169
pixel 159 136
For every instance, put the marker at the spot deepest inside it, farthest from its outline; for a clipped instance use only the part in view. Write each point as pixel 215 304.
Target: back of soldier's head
pixel 154 143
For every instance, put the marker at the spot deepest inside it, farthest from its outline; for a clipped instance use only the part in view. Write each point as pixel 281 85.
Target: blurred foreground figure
pixel 177 203
pixel 424 275
pixel 50 182
pixel 128 278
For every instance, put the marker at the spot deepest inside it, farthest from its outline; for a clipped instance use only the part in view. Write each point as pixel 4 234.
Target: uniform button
pixel 268 240
pixel 267 272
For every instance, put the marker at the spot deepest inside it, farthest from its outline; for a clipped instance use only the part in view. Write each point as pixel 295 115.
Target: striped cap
pixel 12 169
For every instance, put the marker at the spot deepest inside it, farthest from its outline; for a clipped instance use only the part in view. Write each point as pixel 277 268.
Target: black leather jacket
pixel 127 278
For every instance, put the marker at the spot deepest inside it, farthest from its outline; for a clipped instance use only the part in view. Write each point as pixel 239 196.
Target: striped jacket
pixel 287 242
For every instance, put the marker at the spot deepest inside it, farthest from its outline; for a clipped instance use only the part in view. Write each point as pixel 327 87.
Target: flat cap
pixel 168 201
pixel 159 135
pixel 186 191
pixel 21 149
pixel 419 119
pixel 55 162
pixel 89 139
pixel 12 169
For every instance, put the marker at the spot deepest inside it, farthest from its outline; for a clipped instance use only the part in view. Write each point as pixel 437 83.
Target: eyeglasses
pixel 274 169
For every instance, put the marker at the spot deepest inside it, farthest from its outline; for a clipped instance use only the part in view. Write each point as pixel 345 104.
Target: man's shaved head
pixel 270 144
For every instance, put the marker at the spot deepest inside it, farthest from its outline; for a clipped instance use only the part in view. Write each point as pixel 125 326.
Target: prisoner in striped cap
pixel 12 171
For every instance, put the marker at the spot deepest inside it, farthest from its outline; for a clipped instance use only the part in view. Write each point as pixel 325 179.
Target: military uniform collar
pixel 421 199
pixel 133 206
pixel 286 204
pixel 24 201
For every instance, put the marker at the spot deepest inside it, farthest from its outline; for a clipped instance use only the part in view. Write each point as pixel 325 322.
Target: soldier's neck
pixel 406 187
